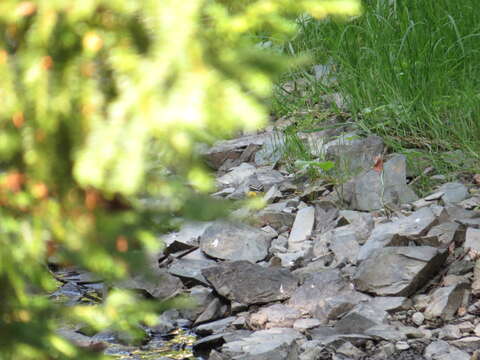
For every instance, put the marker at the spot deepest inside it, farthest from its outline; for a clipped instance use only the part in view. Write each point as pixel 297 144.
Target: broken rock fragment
pixel 235 241
pixel 249 283
pixel 398 271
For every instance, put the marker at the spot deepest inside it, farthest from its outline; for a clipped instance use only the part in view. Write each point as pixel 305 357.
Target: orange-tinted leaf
pixel 378 163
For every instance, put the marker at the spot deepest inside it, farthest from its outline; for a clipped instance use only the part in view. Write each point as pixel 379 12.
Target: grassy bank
pixel 409 71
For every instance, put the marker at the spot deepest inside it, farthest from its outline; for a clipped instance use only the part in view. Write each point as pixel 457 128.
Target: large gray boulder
pixel 398 271
pixel 248 283
pixel 235 241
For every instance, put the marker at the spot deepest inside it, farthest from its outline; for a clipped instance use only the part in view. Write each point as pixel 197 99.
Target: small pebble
pixel 418 318
pixel 402 345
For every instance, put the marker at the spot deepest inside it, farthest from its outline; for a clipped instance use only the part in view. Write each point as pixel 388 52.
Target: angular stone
pixel 373 190
pixel 159 285
pixel 186 238
pixel 305 324
pixel 275 215
pixel 232 149
pixel 214 327
pixel 249 283
pixel 344 244
pixel 472 239
pixel 302 228
pixel 234 241
pixel 454 192
pixel 390 303
pixel 353 152
pixel 445 301
pixel 235 176
pixel 190 270
pixel 272 344
pixel 399 232
pixel 469 343
pixel 277 315
pixel 361 318
pixel 214 310
pixel 326 296
pixel 441 350
pixel 361 222
pixel 398 271
pixel 441 235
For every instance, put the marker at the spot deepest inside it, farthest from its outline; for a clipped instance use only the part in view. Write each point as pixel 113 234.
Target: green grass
pixel 409 70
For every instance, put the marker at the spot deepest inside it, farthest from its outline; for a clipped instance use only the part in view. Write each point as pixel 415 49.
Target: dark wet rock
pixel 373 190
pixel 272 344
pixel 361 318
pixel 214 326
pixel 441 350
pixel 399 232
pixel 234 241
pixel 398 271
pixel 249 283
pixel 326 296
pixel 277 315
pixel 302 228
pixel 190 270
pixel 446 301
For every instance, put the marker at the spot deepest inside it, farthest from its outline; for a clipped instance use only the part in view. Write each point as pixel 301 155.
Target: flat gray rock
pixel 398 271
pixel 472 239
pixel 277 315
pixel 235 241
pixel 441 350
pixel 272 344
pixel 190 269
pixel 361 318
pixel 302 228
pixel 326 296
pixel 186 238
pixel 399 232
pixel 453 192
pixel 249 283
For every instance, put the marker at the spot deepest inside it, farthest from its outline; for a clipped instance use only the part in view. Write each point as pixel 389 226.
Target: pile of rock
pixel 301 279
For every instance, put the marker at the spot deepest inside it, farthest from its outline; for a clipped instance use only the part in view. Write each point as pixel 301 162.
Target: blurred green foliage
pixel 104 104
